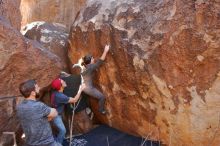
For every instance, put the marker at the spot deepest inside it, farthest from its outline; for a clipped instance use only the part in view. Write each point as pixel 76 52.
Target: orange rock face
pixel 20 60
pixel 61 11
pixel 161 77
pixel 9 9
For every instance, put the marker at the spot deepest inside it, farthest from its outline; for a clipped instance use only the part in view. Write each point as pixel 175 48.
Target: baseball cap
pixel 56 84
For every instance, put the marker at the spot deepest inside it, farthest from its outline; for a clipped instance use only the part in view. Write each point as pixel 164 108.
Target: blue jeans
pixel 51 144
pixel 56 144
pixel 62 130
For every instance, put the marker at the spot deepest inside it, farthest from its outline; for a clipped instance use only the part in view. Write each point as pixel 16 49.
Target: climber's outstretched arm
pixel 107 47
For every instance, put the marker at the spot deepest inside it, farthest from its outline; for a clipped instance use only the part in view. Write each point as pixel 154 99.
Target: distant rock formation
pixel 53 36
pixel 59 11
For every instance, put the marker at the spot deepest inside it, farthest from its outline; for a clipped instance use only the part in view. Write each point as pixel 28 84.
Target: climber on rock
pixel 34 116
pixel 89 67
pixel 58 100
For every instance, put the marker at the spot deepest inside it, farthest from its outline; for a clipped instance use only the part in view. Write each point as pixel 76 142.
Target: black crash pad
pixel 106 136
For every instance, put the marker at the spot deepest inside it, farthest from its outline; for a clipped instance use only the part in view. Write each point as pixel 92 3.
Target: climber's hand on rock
pixel 107 47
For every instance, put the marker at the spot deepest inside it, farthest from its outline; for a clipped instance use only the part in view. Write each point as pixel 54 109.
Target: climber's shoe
pixel 103 112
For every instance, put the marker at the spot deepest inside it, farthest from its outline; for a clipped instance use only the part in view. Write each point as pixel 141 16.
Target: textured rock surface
pixel 84 124
pixel 8 121
pixel 162 75
pixel 21 59
pixel 81 123
pixel 52 36
pixel 9 9
pixel 59 11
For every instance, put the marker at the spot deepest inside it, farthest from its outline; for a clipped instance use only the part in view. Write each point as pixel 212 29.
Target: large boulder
pixel 52 36
pixel 23 59
pixel 162 75
pixel 58 11
pixel 9 9
pixel 20 59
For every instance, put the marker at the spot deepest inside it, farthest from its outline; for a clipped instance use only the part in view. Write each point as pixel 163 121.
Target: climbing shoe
pixel 103 112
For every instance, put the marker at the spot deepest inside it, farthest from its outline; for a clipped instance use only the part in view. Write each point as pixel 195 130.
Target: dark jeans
pixel 92 91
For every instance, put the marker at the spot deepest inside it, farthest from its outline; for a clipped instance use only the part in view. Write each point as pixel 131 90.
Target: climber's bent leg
pixel 91 91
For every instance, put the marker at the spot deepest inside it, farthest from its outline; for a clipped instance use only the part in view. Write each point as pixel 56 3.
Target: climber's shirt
pixel 89 72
